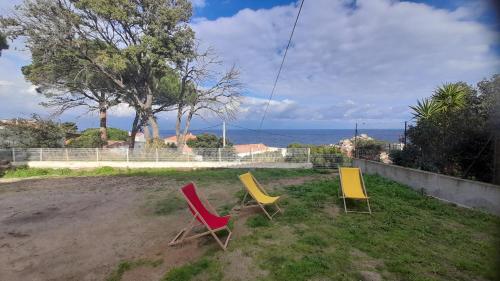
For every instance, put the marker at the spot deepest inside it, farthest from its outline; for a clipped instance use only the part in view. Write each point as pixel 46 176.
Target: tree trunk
pixel 135 129
pixel 147 134
pixel 103 130
pixel 154 127
pixel 178 123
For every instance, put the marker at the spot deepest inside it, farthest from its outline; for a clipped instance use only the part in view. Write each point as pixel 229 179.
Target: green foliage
pixel 168 205
pixel 199 176
pixel 317 149
pixel 69 127
pixel 451 96
pixel 113 133
pixel 125 61
pixel 29 133
pixel 408 157
pixel 369 149
pixel 322 156
pixel 406 228
pixel 90 138
pixel 206 145
pixel 207 141
pixel 456 140
pixel 425 109
pixel 258 221
pixel 87 139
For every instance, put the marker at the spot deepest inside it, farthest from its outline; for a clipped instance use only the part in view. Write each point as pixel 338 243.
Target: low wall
pixel 161 164
pixel 462 192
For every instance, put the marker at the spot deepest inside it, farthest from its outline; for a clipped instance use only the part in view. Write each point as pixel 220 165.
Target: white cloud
pixel 122 110
pixel 198 3
pixel 380 55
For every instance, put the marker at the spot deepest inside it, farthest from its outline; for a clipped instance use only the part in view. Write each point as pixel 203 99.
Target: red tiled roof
pixel 173 139
pixel 252 147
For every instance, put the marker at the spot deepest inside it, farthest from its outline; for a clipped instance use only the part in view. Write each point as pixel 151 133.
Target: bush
pixel 88 139
pixel 28 133
pixel 324 156
pixel 369 149
pixel 91 137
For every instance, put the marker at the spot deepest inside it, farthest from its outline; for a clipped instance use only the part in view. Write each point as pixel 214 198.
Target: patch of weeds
pixel 106 170
pixel 189 271
pixel 26 172
pixel 230 224
pixel 168 205
pixel 125 266
pixel 304 268
pixel 225 209
pixel 199 176
pixel 313 240
pixel 240 194
pixel 258 221
pixel 296 213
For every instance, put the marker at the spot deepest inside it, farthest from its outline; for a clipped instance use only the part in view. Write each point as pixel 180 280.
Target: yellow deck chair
pixel 353 187
pixel 259 195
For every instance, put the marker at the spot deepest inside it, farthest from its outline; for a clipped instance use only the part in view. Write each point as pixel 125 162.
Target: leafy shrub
pixel 90 138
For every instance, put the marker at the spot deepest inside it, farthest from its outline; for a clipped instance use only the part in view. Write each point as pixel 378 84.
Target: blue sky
pixel 351 61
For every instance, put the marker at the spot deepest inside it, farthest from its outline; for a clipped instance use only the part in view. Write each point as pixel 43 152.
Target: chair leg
pixel 244 198
pixel 278 207
pixel 222 245
pixel 265 212
pixel 181 236
pixel 345 206
pixel 369 209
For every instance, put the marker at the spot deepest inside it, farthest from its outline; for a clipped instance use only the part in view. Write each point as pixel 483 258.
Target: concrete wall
pixel 161 164
pixel 466 193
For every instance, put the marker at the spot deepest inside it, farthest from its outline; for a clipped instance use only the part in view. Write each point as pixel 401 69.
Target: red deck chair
pixel 210 219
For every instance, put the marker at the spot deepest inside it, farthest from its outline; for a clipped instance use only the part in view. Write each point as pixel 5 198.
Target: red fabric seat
pixel 213 221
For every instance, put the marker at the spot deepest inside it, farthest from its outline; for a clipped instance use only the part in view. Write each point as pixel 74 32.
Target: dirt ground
pixel 81 228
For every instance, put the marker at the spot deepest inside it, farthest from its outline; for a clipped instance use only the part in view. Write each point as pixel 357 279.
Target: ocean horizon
pixel 284 137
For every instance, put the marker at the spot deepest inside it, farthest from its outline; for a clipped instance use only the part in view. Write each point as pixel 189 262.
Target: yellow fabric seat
pixel 353 186
pixel 255 191
pixel 258 193
pixel 351 183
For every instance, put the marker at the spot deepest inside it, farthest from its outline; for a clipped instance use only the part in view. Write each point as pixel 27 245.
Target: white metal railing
pixel 229 154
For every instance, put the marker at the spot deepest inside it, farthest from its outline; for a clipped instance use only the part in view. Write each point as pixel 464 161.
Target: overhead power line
pixel 206 128
pixel 281 66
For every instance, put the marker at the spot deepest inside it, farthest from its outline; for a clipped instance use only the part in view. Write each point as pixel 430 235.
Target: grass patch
pixel 199 176
pixel 189 271
pixel 408 237
pixel 125 266
pixel 168 205
pixel 258 221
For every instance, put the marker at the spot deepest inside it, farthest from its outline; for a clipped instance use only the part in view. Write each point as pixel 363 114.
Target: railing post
pixel 97 154
pixel 127 154
pixel 219 155
pixel 67 155
pixel 13 155
pixel 41 154
pixel 156 154
pixel 308 155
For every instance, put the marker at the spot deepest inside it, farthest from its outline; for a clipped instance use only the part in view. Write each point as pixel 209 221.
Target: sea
pixel 284 137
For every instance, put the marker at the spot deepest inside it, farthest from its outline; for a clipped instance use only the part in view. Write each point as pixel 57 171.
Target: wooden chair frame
pixel 364 191
pixel 182 235
pixel 262 206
